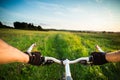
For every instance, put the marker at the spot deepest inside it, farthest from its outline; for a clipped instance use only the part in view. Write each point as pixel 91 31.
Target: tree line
pixel 31 26
pixel 23 25
pixel 26 26
pixel 4 26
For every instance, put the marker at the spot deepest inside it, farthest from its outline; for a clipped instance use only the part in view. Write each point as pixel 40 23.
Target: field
pixel 60 45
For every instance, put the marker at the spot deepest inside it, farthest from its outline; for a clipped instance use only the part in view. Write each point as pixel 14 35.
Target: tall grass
pixel 60 45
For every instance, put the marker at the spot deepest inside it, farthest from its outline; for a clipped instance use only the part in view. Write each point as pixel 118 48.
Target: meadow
pixel 61 45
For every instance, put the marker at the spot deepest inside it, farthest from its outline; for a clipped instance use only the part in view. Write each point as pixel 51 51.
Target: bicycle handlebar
pixel 82 60
pixel 53 59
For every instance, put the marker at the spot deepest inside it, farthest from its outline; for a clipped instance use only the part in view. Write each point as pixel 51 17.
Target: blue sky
pixel 97 15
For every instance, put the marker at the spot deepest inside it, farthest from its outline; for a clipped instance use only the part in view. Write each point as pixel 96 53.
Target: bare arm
pixel 10 54
pixel 113 56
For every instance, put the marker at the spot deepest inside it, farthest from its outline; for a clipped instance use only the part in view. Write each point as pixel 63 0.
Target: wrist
pixel 113 56
pixel 18 56
pixel 22 57
pixel 26 58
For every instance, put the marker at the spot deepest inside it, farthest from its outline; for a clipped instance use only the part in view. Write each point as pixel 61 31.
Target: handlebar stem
pixel 67 63
pixel 67 68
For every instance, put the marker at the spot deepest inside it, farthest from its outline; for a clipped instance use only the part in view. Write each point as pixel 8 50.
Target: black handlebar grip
pixel 84 62
pixel 48 62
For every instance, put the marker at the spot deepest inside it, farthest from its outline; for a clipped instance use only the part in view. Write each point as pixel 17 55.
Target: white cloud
pixel 99 1
pixel 59 13
pixel 43 5
pixel 76 10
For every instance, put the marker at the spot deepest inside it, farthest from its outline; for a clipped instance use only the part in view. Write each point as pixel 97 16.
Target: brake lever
pixel 84 62
pixel 48 62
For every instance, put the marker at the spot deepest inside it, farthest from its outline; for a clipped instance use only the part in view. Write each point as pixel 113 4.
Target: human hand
pixel 98 58
pixel 35 58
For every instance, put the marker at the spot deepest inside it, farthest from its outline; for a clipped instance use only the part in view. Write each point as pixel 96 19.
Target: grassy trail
pixel 60 45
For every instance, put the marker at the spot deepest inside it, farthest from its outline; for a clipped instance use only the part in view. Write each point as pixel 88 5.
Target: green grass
pixel 60 45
